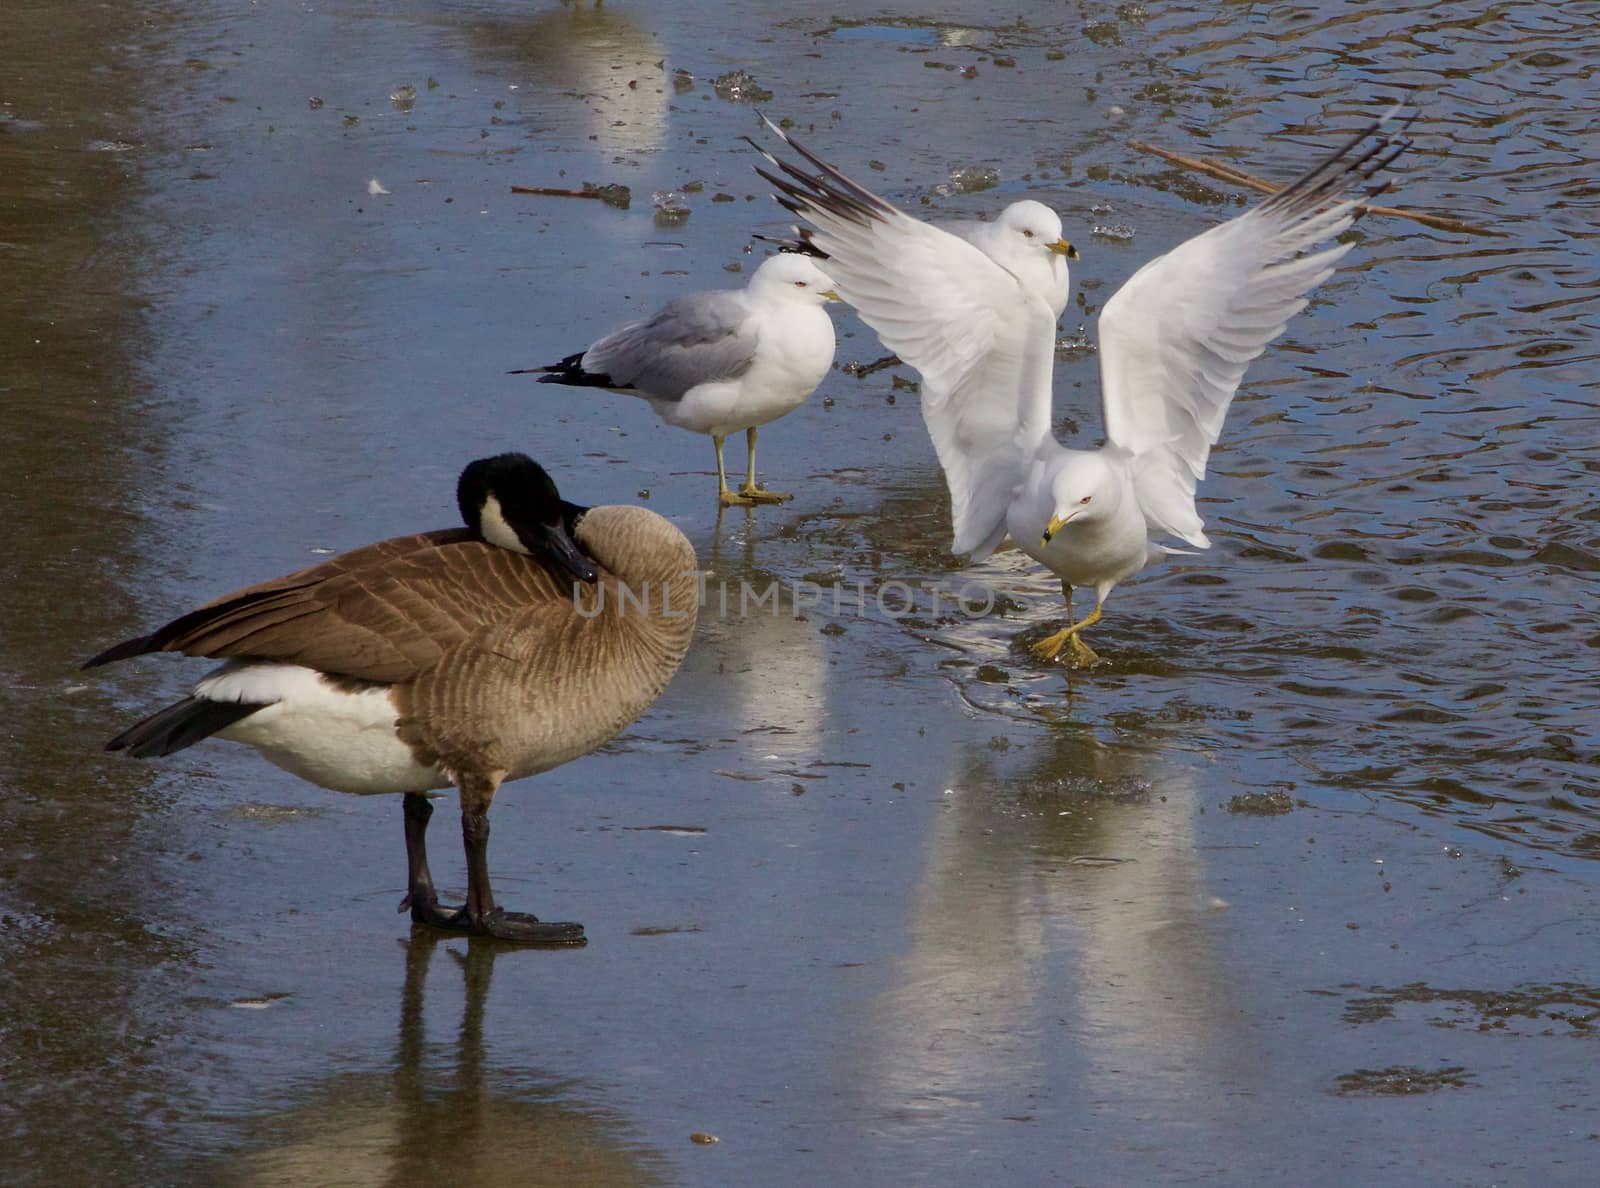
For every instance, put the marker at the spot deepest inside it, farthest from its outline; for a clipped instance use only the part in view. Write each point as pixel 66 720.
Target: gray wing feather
pixel 695 339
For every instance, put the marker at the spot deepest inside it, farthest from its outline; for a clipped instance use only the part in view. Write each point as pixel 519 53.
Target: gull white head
pixel 792 275
pixel 1026 241
pixel 1036 228
pixel 1085 489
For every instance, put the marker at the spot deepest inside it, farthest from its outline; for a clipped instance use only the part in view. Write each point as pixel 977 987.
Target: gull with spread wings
pixel 1174 344
pixel 1025 239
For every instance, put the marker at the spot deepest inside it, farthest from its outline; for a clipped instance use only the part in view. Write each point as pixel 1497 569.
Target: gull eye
pixel 799 284
pixel 1027 234
pixel 1086 499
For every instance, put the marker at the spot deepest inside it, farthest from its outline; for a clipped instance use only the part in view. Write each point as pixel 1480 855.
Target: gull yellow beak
pixel 832 294
pixel 1055 525
pixel 1062 248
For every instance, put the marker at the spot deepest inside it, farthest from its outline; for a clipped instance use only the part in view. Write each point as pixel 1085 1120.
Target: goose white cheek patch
pixel 492 523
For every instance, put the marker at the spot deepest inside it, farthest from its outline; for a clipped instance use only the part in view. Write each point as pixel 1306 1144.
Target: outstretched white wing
pixel 983 345
pixel 1175 340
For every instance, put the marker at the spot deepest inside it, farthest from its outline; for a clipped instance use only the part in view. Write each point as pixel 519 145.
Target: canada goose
pixel 1174 344
pixel 721 361
pixel 464 656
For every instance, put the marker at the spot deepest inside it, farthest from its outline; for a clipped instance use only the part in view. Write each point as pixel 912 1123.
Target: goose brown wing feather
pixel 384 613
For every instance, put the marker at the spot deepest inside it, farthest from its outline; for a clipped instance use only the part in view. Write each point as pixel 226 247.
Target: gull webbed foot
pixel 1079 654
pixel 1050 646
pixel 754 494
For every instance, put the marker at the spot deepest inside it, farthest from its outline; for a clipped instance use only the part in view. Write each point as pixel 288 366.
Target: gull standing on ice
pixel 721 361
pixel 1174 344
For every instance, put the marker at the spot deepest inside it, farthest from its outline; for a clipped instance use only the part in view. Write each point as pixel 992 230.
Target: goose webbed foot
pixel 518 927
pixel 426 909
pixel 482 916
pixel 524 929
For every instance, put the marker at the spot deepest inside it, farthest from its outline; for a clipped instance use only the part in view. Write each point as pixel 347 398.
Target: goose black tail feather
pixel 181 725
pixel 569 371
pixel 137 646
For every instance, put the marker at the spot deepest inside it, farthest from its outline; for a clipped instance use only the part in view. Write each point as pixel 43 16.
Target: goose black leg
pixel 481 916
pixel 421 898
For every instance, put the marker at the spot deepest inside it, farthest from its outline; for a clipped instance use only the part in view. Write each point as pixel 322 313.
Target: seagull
pixel 1026 239
pixel 1174 344
pixel 1013 241
pixel 721 361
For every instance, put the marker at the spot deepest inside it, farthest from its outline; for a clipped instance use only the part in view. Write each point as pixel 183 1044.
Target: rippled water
pixel 1401 599
pixel 1448 522
pixel 872 897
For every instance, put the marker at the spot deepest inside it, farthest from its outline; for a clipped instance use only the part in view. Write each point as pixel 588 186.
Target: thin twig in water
pixel 555 192
pixel 612 195
pixel 1228 173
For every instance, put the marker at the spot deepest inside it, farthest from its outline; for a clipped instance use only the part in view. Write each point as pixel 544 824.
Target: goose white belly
pixel 336 738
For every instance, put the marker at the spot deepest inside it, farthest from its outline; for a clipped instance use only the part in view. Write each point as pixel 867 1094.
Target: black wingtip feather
pixel 799 245
pixel 180 725
pixel 1346 166
pixel 827 189
pixel 570 372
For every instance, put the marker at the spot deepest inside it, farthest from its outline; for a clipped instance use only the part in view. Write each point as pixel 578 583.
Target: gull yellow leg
pixel 725 497
pixel 750 491
pixel 1082 655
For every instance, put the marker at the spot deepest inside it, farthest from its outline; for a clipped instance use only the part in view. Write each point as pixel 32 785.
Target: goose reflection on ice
pixel 426 1123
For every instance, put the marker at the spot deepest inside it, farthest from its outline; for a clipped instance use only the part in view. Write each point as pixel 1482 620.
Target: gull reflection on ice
pixel 1062 934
